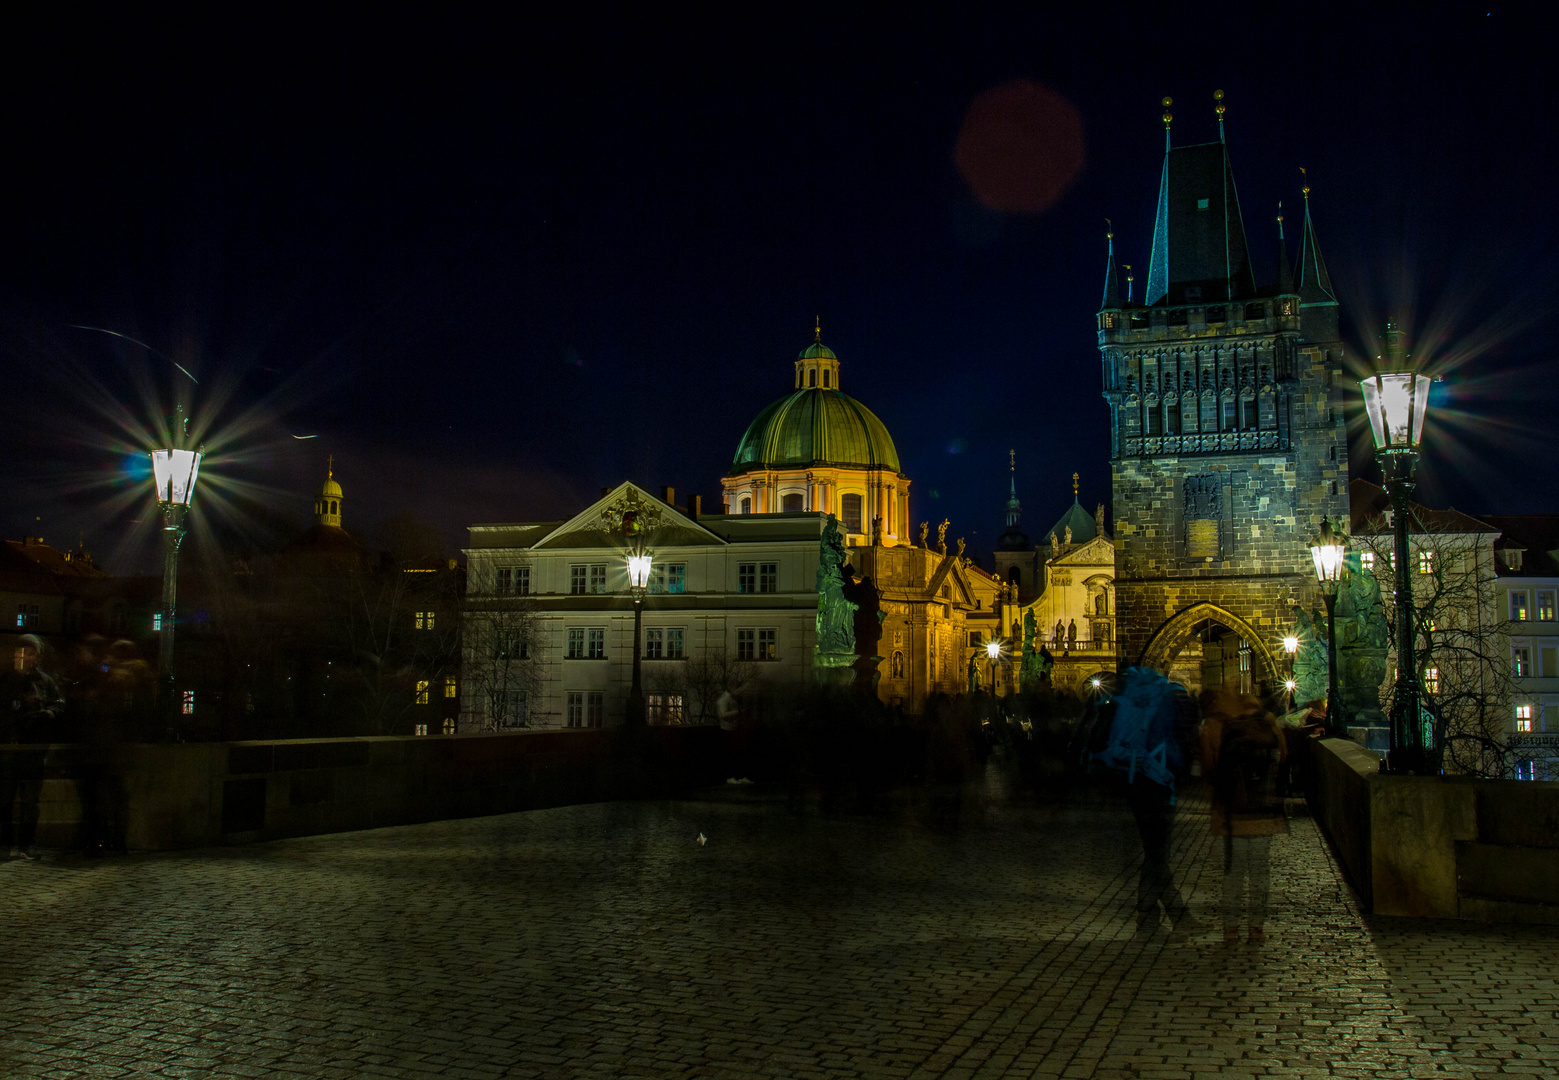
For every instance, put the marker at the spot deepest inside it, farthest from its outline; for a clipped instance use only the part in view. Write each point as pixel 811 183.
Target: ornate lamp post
pixel 1397 399
pixel 638 585
pixel 1291 647
pixel 174 472
pixel 993 651
pixel 1327 550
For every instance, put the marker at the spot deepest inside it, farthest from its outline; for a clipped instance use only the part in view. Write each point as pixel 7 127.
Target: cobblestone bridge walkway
pixel 973 937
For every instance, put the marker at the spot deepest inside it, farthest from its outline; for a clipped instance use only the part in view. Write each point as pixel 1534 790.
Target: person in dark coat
pixel 1242 750
pixel 31 704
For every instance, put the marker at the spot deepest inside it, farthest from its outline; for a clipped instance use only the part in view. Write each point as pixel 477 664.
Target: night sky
pixel 496 265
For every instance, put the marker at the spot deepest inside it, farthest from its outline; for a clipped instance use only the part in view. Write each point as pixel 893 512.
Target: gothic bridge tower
pixel 1227 439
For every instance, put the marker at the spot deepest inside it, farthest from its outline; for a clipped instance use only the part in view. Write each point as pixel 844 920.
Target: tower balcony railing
pixel 1263 316
pixel 1214 443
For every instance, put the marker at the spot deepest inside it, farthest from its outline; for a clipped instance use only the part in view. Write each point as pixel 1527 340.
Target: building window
pixel 451 687
pixel 1250 423
pixel 1521 661
pixel 187 703
pixel 1228 414
pixel 746 504
pixel 791 504
pixel 1545 606
pixel 768 645
pixel 1432 680
pixel 850 512
pixel 1518 605
pixel 511 708
pixel 421 696
pixel 595 708
pixel 423 620
pixel 577 576
pixel 1172 418
pixel 668 578
pixel 825 380
pixel 674 643
pixel 503 580
pixel 513 581
pixel 576 643
pixel 654 644
pixel 27 616
pixel 157 623
pixel 420 729
pixel 1523 718
pixel 1367 561
pixel 1153 423
pixel 597 644
pixel 746 577
pixel 768 577
pixel 1426 562
pixel 746 645
pixel 598 579
pixel 449 725
pixel 974 639
pixel 510 645
pixel 576 708
pixel 664 708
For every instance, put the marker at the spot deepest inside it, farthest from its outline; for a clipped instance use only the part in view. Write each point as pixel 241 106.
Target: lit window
pixel 577 575
pixel 1523 718
pixel 668 578
pixel 26 616
pixel 424 620
pixel 597 645
pixel 157 623
pixel 449 725
pixel 1545 606
pixel 422 692
pixel 664 708
pixel 768 577
pixel 1432 680
pixel 1521 661
pixel 1518 605
pixel 1367 560
pixel 598 579
pixel 420 729
pixel 768 644
pixel 187 706
pixel 576 644
pixel 1426 562
pixel 746 577
pixel 451 687
pixel 654 644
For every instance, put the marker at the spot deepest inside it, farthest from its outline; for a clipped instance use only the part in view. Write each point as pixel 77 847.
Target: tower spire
pixel 1014 508
pixel 1219 109
pixel 1112 286
pixel 817 330
pixel 1168 119
pixel 1285 275
pixel 1129 280
pixel 1315 284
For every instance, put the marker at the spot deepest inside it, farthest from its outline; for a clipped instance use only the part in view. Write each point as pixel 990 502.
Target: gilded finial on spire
pixel 1074 485
pixel 817 331
pixel 1012 461
pixel 1306 188
pixel 1109 229
pixel 330 467
pixel 1168 119
pixel 1219 109
pixel 1280 219
pixel 1129 280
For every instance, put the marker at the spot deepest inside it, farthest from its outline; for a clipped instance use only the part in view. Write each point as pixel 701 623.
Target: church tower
pixel 1227 439
pixel 327 504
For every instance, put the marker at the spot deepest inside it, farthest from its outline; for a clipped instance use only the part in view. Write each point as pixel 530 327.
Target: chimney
pixel 695 505
pixel 668 495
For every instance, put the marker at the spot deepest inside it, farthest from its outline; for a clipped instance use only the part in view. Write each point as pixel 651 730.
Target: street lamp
pixel 1397 398
pixel 993 651
pixel 174 472
pixel 1291 647
pixel 638 585
pixel 1327 550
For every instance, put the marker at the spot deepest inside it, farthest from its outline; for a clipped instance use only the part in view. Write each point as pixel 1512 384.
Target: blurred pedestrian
pixel 31 704
pixel 1242 751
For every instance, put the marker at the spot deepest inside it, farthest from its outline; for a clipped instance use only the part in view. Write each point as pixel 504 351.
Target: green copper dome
pixel 814 426
pixel 818 351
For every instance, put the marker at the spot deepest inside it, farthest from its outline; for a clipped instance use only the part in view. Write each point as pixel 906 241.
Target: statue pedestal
pixel 833 669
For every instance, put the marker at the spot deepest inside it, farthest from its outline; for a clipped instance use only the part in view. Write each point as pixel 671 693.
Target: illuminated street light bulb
pixel 1327 550
pixel 993 649
pixel 1289 685
pixel 174 472
pixel 1095 683
pixel 1291 644
pixel 638 571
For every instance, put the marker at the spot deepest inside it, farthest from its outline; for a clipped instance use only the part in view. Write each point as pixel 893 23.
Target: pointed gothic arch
pixel 1169 639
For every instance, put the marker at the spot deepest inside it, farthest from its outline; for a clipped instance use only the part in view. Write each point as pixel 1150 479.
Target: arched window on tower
pixel 791 504
pixel 335 507
pixel 812 377
pixel 825 380
pixel 849 506
pixel 746 504
pixel 1172 418
pixel 1153 419
pixel 1249 423
pixel 1228 414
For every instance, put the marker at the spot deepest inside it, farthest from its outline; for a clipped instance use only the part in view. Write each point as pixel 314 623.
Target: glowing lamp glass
pixel 993 649
pixel 1291 644
pixel 1396 404
pixel 1289 685
pixel 174 472
pixel 638 571
pixel 1328 560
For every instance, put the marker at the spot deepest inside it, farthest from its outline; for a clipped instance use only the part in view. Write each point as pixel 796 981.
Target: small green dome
pixel 814 426
pixel 817 351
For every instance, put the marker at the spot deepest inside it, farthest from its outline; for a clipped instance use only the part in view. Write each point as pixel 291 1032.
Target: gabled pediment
pixel 952 574
pixel 600 523
pixel 1098 551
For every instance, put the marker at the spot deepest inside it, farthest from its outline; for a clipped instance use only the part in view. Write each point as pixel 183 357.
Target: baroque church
pixel 1227 438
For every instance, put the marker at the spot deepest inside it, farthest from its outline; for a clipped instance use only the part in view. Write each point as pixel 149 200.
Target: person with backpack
pixel 1145 732
pixel 1243 750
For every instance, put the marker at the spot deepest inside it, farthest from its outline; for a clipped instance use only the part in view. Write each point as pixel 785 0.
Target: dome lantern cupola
pixel 817 367
pixel 327 504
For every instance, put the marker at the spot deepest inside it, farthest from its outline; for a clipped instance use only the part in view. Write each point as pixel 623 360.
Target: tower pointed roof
pixel 1199 247
pixel 1112 281
pixel 1315 284
pixel 1014 538
pixel 1285 275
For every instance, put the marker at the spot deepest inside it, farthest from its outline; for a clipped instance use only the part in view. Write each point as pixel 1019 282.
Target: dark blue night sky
pixel 495 265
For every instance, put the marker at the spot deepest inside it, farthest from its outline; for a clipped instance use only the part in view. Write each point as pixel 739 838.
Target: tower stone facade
pixel 1227 438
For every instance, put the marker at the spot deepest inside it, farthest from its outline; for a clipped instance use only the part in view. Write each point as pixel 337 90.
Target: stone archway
pixel 1179 630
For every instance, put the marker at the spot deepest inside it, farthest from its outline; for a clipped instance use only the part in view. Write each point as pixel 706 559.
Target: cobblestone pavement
pixel 958 937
